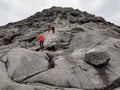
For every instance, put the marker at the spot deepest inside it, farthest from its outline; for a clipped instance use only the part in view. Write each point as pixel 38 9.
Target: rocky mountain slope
pixel 83 53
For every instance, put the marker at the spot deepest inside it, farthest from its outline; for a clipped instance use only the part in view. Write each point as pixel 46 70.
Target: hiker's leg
pixel 40 44
pixel 43 43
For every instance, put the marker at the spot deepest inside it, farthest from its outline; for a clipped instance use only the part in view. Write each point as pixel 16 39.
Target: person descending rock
pixel 41 39
pixel 53 29
pixel 49 27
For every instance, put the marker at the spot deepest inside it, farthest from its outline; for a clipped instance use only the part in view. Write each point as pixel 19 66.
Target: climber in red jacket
pixel 53 29
pixel 41 39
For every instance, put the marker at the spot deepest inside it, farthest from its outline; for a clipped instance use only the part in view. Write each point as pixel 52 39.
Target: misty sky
pixel 14 10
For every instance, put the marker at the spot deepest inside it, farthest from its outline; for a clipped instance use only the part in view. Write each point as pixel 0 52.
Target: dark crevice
pixel 4 54
pixel 51 62
pixel 7 64
pixel 30 76
pixel 116 46
pixel 65 47
pixel 52 48
pixel 77 30
pixel 36 89
pixel 38 49
pixel 49 84
pixel 105 78
pixel 117 30
pixel 103 75
pixel 8 40
pixel 11 37
pixel 112 86
pixel 30 39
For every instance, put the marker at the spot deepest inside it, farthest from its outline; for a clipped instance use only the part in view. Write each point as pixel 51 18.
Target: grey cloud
pixel 110 11
pixel 109 7
pixel 5 6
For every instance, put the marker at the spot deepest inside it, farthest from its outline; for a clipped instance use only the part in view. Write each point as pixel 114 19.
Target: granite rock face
pixel 82 54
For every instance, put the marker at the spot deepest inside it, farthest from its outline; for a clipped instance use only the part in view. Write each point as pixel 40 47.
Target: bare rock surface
pixel 62 64
pixel 22 63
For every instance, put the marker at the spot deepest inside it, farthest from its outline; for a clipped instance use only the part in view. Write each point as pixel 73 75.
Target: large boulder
pixel 22 63
pixel 97 58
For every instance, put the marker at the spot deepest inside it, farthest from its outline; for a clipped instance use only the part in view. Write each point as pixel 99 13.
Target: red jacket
pixel 41 38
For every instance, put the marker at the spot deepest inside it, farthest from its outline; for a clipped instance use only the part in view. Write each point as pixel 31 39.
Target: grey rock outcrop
pixel 60 64
pixel 97 58
pixel 22 63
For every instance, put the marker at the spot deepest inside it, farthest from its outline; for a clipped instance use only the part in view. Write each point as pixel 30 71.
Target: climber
pixel 53 29
pixel 41 40
pixel 49 27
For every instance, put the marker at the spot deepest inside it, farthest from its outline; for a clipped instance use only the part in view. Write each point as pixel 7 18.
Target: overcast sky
pixel 14 10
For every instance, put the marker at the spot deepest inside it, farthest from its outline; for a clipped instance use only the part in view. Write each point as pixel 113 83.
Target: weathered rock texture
pixel 63 63
pixel 97 58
